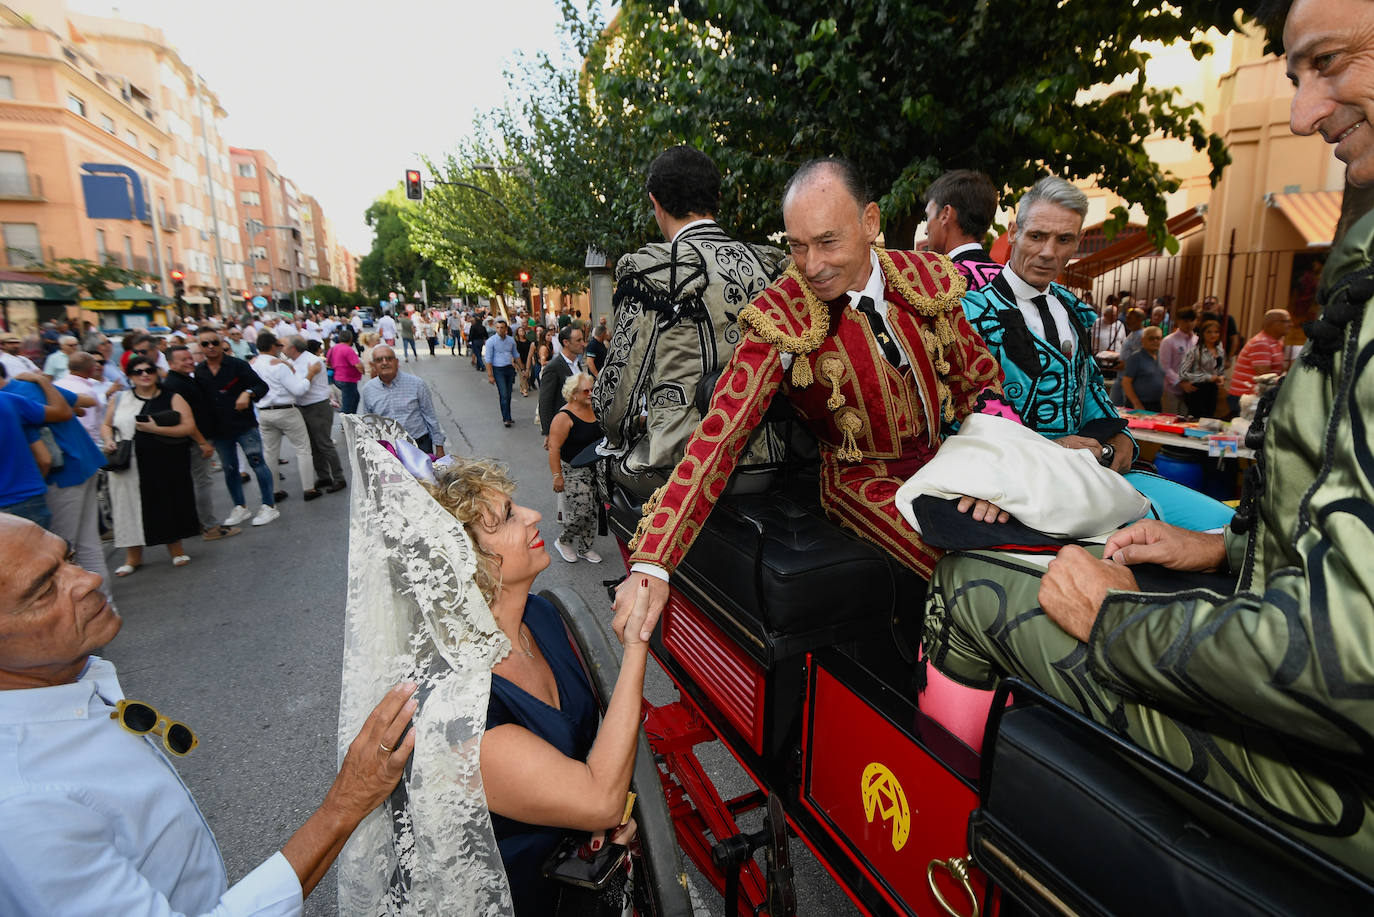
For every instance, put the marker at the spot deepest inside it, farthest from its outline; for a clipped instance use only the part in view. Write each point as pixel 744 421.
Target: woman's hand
pixel 629 619
pixel 625 834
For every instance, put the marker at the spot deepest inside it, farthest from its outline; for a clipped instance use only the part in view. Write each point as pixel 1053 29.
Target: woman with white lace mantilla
pixel 509 758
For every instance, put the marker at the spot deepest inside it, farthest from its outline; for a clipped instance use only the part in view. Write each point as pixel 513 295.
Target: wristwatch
pixel 1108 455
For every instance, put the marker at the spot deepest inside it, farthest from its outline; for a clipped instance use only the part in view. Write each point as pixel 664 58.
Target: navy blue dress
pixel 571 729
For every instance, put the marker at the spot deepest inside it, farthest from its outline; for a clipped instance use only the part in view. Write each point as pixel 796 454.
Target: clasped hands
pixel 1076 583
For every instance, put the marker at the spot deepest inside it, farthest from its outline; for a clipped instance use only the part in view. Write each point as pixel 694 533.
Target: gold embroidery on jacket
pixel 831 369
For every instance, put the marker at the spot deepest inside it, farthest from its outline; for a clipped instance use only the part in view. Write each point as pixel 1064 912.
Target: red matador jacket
pixel 876 424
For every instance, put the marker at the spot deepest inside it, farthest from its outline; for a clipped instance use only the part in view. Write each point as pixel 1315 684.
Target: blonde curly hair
pixel 470 490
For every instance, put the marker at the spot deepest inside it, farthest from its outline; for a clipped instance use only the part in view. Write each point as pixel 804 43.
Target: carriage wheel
pixel 661 865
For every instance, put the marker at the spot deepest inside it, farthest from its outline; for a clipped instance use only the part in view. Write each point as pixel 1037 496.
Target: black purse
pixel 121 457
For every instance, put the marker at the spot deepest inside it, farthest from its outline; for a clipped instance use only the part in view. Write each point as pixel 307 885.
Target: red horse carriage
pixel 794 645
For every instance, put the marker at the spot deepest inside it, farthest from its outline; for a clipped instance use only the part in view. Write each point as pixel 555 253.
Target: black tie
pixel 875 321
pixel 1047 319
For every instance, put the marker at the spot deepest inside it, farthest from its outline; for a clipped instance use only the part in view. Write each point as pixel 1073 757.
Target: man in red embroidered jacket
pixel 872 349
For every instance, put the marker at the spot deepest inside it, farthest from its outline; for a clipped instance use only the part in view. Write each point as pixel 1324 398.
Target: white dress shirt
pixel 284 383
pixel 318 389
pixel 1024 292
pixel 94 417
pixel 312 331
pixel 966 247
pixel 16 363
pixel 386 327
pixel 97 821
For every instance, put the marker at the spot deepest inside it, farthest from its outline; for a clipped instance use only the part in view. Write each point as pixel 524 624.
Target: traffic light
pixel 524 276
pixel 415 189
pixel 178 284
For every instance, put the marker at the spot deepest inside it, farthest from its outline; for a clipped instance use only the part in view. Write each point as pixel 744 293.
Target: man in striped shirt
pixel 405 399
pixel 1262 354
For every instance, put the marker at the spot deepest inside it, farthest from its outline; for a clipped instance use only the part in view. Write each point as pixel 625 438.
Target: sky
pixel 345 94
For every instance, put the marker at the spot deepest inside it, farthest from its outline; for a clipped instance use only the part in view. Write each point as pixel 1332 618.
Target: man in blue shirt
pixel 71 488
pixel 96 819
pixel 22 491
pixel 502 359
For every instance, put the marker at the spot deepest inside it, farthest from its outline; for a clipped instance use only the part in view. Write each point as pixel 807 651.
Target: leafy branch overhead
pixel 1016 88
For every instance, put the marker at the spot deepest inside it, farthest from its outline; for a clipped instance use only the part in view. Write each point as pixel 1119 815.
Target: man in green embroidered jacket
pixel 1265 693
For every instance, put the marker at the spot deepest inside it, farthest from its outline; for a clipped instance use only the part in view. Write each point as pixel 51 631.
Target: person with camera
pixel 146 435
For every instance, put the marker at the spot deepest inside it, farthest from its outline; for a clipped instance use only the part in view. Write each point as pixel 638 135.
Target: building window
pixel 14 174
pixel 6 88
pixel 76 106
pixel 131 139
pixel 152 257
pixel 102 254
pixel 152 151
pixel 21 244
pixel 129 252
pixel 250 199
pixel 247 170
pixel 107 123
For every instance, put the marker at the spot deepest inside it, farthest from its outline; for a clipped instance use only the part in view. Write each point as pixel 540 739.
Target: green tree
pixel 394 263
pixel 324 293
pixel 96 279
pixel 1015 88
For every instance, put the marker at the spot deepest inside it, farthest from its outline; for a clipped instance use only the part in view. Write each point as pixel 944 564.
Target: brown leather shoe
pixel 216 532
pixel 312 495
pixel 336 486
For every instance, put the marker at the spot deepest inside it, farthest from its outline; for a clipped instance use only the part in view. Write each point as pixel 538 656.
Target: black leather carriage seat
pixel 773 565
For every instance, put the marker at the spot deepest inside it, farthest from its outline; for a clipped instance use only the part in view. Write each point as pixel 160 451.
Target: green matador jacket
pixel 1292 651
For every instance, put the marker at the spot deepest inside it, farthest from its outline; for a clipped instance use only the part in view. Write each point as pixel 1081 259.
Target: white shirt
pixel 318 389
pixel 312 331
pixel 966 247
pixel 327 328
pixel 80 793
pixel 687 226
pixel 1031 312
pixel 284 384
pixel 386 326
pixel 284 329
pixel 874 291
pixel 358 323
pixel 91 420
pixel 1108 335
pixel 16 363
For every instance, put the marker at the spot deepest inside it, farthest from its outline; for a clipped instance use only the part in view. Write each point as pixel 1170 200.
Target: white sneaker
pixel 239 516
pixel 590 556
pixel 565 552
pixel 266 514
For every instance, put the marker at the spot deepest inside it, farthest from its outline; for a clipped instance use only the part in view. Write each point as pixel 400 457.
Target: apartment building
pixel 202 201
pixel 317 237
pixel 83 157
pixel 270 226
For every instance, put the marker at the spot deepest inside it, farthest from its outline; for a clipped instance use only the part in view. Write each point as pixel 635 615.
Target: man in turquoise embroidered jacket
pixel 1038 330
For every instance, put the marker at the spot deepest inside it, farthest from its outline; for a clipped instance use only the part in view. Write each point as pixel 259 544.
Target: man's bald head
pixel 1277 322
pixel 833 168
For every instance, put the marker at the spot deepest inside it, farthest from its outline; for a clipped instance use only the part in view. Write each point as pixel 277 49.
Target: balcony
pixel 170 222
pixel 19 187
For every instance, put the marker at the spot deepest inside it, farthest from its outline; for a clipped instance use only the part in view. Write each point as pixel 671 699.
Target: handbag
pixel 595 886
pixel 448 341
pixel 123 454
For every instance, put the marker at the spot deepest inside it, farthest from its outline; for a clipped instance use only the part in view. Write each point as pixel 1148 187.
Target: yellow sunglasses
pixel 141 719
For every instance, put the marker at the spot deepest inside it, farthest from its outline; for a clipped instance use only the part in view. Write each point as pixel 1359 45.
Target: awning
pixel 14 285
pixel 196 300
pixel 123 305
pixel 1314 214
pixel 1137 245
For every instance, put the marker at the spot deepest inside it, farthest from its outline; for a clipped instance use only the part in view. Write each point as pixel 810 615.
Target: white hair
pixel 1053 190
pixel 571 385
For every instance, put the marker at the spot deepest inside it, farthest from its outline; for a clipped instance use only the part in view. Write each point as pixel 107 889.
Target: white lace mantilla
pixel 415 612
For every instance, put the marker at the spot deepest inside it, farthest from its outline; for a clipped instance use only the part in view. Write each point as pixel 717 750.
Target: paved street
pixel 244 643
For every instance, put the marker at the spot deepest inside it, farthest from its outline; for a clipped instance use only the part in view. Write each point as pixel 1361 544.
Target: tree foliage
pixel 96 279
pixel 1015 88
pixel 394 263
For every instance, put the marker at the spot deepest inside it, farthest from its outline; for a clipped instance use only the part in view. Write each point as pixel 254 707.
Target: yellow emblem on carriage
pixel 883 796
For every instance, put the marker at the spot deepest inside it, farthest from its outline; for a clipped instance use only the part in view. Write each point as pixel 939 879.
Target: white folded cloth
pixel 1062 492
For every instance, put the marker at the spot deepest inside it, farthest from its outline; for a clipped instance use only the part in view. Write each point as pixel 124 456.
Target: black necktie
pixel 1047 319
pixel 875 321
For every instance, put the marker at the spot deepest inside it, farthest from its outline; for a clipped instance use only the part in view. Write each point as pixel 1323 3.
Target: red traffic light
pixel 414 187
pixel 524 276
pixel 177 275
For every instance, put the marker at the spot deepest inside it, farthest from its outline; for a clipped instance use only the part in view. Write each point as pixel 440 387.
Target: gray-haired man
pixel 1040 332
